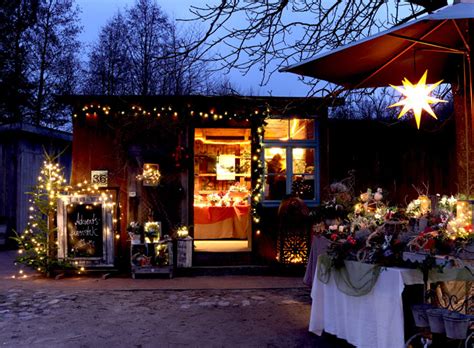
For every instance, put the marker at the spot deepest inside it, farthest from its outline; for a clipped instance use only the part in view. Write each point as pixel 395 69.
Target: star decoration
pixel 417 98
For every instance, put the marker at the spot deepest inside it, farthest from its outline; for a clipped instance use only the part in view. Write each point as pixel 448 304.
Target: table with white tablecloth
pixel 373 320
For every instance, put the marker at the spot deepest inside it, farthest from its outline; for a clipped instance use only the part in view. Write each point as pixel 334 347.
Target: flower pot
pixel 456 325
pixel 135 238
pixel 435 318
pixel 419 314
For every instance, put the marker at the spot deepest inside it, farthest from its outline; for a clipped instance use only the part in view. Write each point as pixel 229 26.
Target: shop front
pixel 216 167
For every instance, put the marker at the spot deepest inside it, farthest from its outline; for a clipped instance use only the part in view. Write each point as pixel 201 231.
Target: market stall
pixel 370 315
pixel 433 231
pixel 367 253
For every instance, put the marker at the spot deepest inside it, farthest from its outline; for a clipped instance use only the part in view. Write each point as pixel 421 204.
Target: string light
pixel 255 119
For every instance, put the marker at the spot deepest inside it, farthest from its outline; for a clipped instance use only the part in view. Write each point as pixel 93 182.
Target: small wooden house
pixel 219 165
pixel 22 149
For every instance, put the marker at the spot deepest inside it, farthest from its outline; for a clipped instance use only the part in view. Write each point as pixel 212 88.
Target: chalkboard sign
pixel 84 230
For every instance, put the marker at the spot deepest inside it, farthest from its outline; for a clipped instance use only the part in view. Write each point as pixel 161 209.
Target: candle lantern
pixel 461 226
pixel 425 204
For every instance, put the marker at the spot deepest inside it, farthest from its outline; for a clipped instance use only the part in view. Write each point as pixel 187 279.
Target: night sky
pixel 95 14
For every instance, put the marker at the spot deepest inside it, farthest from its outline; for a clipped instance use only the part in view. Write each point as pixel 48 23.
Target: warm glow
pixel 226 142
pixel 298 153
pixel 417 98
pixel 276 151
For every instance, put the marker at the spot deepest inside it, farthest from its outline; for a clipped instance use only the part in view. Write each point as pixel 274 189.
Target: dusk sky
pixel 95 13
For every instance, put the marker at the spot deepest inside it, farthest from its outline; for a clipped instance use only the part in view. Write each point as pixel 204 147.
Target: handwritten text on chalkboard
pixel 85 230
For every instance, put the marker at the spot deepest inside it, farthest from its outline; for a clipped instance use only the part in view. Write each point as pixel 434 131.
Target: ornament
pixel 417 98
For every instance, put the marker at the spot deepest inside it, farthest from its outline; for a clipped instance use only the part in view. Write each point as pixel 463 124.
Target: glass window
pixel 276 129
pixel 303 160
pixel 290 149
pixel 275 169
pixel 301 129
pixel 294 129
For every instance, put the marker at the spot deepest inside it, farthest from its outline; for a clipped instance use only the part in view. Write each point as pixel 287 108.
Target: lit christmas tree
pixel 38 242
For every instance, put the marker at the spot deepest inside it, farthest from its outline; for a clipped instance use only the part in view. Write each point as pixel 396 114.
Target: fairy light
pixel 253 117
pixel 461 225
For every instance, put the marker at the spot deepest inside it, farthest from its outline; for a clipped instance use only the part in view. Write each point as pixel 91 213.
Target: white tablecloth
pixel 374 320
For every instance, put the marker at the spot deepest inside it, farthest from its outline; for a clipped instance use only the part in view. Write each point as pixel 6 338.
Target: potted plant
pixel 152 231
pixel 134 232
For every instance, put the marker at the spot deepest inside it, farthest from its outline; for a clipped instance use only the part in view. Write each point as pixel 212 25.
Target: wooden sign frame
pixel 106 259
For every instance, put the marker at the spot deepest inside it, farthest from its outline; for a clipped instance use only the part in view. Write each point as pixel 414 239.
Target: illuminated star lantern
pixel 417 98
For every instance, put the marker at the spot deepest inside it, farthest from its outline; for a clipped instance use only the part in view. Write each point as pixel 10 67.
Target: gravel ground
pixel 184 318
pixel 224 311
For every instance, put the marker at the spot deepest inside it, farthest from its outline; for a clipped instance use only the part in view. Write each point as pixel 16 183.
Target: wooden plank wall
pixel 21 157
pixel 394 157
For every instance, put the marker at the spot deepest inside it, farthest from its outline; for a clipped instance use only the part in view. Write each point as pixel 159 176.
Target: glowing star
pixel 417 98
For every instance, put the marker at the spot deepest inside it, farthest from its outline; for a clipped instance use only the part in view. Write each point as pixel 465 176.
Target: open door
pixel 222 187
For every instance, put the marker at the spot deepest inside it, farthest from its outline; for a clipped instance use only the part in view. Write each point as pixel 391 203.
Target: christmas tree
pixel 38 242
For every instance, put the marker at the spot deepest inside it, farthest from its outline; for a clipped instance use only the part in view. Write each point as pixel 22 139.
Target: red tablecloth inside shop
pixel 221 222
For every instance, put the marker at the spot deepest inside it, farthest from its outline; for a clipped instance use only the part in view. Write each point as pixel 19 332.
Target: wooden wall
pixel 394 157
pixel 22 149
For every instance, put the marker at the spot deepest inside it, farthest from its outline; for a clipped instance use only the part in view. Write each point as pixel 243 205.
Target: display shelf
pixel 152 258
pixel 214 174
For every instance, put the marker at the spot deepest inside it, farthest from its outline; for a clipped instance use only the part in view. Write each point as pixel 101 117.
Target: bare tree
pixel 38 53
pixel 16 17
pixel 272 34
pixel 143 52
pixel 109 67
pixel 147 37
pixel 53 63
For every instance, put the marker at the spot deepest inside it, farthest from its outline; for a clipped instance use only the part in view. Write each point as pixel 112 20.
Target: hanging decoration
pixel 417 98
pixel 151 175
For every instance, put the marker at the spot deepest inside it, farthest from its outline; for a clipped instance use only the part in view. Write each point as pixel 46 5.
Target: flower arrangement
pixel 238 188
pixel 366 229
pixel 370 211
pixel 447 204
pixel 182 232
pixel 133 227
pixel 414 209
pixel 214 198
pixel 461 225
pixel 152 231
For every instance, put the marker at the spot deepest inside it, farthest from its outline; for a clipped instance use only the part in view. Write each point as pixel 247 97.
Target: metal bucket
pixel 435 318
pixel 456 325
pixel 419 314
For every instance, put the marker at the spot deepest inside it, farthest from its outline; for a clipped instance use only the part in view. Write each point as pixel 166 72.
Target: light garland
pixel 187 114
pixel 151 174
pixel 35 248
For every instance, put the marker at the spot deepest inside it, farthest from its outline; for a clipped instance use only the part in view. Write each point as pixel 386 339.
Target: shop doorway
pixel 222 187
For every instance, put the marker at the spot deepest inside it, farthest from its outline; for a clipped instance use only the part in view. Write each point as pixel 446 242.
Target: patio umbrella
pixel 438 42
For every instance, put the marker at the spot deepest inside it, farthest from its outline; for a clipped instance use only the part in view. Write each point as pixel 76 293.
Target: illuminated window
pixel 291 129
pixel 290 156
